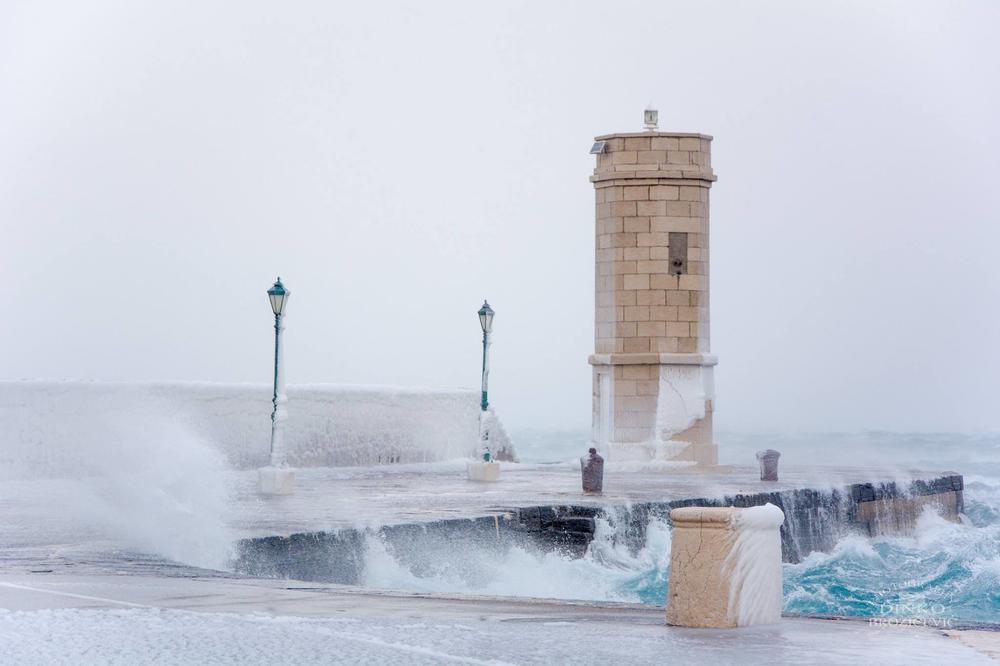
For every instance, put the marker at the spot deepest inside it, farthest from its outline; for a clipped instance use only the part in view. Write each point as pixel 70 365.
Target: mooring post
pixel 768 460
pixel 592 471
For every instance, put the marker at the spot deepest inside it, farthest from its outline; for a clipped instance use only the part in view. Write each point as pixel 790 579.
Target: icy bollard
pixel 768 460
pixel 484 471
pixel 592 471
pixel 725 566
pixel 276 481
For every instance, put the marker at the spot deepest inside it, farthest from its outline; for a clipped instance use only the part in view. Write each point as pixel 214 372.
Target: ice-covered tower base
pixel 653 390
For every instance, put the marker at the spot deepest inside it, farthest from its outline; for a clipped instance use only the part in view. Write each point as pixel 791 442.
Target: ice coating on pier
pixel 49 425
pixel 683 393
pixel 754 566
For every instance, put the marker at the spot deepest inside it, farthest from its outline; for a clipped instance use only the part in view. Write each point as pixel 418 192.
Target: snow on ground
pixel 74 636
pixel 72 617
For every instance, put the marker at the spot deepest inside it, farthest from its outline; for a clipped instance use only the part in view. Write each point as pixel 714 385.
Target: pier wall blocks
pixel 883 510
pixel 651 289
pixel 814 521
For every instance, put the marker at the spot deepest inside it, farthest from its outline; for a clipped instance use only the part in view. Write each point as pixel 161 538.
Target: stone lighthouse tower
pixel 652 368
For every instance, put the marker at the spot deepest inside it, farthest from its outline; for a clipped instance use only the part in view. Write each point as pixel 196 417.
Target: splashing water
pixel 944 571
pixel 167 497
pixel 146 482
pixel 138 483
pixel 609 571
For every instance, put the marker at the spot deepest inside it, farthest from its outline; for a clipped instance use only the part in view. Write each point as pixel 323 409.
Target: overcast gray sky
pixel 161 163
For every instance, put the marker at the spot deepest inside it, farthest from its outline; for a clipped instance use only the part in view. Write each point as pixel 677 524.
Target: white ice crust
pixel 754 566
pixel 49 424
pixel 683 392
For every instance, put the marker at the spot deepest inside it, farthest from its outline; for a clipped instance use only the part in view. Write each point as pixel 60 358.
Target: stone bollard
pixel 725 566
pixel 276 481
pixel 592 468
pixel 768 460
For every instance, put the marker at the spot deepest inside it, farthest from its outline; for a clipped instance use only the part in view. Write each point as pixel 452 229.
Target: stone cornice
pixel 697 173
pixel 673 135
pixel 653 359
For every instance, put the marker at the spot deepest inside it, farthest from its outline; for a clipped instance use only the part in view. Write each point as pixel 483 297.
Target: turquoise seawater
pixel 944 573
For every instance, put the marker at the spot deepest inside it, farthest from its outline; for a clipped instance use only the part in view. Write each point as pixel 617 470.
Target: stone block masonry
pixel 815 520
pixel 652 297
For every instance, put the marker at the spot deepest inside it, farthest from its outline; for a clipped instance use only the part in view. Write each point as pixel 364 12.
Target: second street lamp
pixel 486 322
pixel 278 296
pixel 276 478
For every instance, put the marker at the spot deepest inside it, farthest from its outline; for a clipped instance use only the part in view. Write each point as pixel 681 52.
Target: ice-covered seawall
pixel 51 425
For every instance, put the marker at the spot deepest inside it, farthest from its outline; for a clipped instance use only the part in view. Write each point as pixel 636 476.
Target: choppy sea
pixel 943 573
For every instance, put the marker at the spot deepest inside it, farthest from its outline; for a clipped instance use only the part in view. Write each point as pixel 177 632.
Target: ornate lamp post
pixel 277 479
pixel 487 469
pixel 486 321
pixel 278 296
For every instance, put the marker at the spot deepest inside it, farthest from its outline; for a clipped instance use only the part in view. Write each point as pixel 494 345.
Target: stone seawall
pixel 815 520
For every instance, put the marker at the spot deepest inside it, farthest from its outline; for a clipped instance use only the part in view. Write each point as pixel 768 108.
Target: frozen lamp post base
pixel 277 478
pixel 276 481
pixel 484 471
pixel 486 468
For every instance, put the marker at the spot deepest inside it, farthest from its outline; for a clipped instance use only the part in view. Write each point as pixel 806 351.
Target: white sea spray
pixel 754 566
pixel 44 422
pixel 609 571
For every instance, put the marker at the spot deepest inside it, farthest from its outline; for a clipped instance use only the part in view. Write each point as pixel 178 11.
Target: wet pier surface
pixel 70 589
pixel 334 498
pixel 333 508
pixel 45 618
pixel 324 532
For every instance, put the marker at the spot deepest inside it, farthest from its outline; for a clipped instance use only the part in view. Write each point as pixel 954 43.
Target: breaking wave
pixel 609 571
pixel 944 572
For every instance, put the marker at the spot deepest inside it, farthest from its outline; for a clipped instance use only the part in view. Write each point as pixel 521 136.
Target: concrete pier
pixel 315 535
pixel 239 620
pixel 318 536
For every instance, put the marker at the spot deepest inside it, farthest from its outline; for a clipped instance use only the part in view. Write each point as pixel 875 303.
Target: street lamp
pixel 486 321
pixel 488 469
pixel 277 479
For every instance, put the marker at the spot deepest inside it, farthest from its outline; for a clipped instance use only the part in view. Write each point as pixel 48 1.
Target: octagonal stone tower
pixel 653 387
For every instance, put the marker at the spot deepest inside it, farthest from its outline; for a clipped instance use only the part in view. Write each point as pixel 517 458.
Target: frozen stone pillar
pixel 652 376
pixel 725 566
